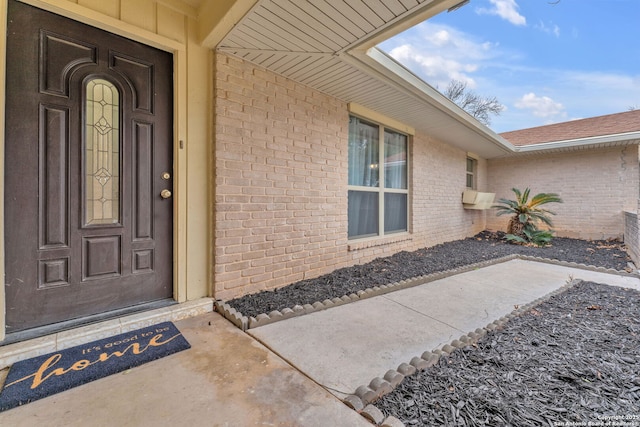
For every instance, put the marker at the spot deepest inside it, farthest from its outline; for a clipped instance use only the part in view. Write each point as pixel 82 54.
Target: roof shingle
pixel 611 124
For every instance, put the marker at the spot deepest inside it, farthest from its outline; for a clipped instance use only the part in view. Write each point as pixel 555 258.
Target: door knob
pixel 165 194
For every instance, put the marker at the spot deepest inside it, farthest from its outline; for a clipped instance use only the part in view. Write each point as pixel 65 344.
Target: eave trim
pixel 628 138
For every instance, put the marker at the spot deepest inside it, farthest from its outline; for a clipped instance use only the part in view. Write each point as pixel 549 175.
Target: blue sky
pixel 546 63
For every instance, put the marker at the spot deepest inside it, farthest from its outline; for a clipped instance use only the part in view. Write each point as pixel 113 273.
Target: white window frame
pixel 473 174
pixel 380 189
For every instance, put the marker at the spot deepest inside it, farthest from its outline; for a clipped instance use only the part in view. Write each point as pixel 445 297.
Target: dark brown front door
pixel 88 153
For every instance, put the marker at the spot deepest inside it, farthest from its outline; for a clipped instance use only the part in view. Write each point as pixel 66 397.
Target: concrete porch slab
pixel 12 353
pixel 228 378
pixel 225 379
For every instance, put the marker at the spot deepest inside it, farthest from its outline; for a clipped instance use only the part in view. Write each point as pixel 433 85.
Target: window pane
pixel 471 172
pixel 395 160
pixel 395 212
pixel 470 165
pixel 102 153
pixel 470 183
pixel 363 153
pixel 363 214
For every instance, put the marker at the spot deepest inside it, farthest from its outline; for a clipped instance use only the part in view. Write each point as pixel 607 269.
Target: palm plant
pixel 526 214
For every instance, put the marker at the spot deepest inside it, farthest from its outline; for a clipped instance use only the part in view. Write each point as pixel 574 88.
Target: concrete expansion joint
pixel 365 396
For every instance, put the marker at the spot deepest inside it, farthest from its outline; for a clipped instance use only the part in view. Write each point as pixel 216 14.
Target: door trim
pixel 3 73
pixel 179 51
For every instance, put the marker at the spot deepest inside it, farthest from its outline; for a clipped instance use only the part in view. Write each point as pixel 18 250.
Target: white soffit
pixel 320 43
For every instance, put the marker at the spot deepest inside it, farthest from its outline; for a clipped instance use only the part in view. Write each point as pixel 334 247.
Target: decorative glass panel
pixel 395 160
pixel 364 153
pixel 102 153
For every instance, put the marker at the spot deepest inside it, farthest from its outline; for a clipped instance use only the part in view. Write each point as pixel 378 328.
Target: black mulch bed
pixel 572 360
pixel 406 265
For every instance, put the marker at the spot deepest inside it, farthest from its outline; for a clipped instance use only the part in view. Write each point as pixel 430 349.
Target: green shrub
pixel 532 236
pixel 526 214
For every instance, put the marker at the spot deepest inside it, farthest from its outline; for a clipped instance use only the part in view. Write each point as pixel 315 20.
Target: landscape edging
pixel 364 397
pixel 245 322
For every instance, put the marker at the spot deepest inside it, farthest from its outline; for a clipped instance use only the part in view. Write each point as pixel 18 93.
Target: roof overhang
pixel 605 141
pixel 428 110
pixel 330 47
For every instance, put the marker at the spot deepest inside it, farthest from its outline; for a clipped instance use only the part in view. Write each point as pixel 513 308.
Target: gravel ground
pixel 406 265
pixel 572 360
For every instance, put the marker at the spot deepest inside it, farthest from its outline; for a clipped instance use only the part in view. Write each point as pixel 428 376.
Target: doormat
pixel 42 376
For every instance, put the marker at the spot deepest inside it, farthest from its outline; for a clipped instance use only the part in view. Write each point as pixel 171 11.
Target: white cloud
pixel 505 64
pixel 440 38
pixel 505 9
pixel 438 53
pixel 553 29
pixel 541 106
pixel 583 94
pixel 435 69
pixel 603 80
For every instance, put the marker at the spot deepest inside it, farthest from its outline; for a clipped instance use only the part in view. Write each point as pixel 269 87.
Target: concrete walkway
pixel 347 346
pixel 271 376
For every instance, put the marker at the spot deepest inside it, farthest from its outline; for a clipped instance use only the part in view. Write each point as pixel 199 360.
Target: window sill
pixel 378 241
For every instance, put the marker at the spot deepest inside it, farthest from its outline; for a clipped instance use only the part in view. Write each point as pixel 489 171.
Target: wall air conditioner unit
pixel 472 199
